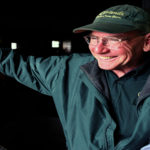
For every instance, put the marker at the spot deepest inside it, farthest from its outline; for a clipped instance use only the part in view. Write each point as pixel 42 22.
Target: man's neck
pixel 121 72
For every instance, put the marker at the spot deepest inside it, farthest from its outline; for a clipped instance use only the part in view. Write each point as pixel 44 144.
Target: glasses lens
pixel 91 40
pixel 87 39
pixel 106 41
pixel 113 44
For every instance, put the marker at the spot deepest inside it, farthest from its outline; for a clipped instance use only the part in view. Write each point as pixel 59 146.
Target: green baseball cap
pixel 119 19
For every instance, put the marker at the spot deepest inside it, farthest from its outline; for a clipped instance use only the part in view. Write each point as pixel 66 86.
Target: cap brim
pixel 105 27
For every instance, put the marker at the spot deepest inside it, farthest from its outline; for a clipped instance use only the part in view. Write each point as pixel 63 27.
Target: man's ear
pixel 146 47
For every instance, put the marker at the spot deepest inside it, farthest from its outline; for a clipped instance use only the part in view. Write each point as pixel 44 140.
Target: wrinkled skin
pixel 124 57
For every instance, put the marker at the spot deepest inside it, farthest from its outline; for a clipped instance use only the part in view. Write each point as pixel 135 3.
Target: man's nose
pixel 101 48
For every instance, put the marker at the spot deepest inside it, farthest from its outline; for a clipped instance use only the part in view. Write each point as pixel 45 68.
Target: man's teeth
pixel 106 57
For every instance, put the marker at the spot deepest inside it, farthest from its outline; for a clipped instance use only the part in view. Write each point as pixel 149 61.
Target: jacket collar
pixel 145 91
pixel 146 88
pixel 96 76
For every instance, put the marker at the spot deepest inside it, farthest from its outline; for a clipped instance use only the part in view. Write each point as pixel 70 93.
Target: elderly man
pixel 102 98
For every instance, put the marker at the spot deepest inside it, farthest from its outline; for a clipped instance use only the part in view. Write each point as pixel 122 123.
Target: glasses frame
pixel 105 40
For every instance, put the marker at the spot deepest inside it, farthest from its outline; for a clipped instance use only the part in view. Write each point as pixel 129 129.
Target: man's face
pixel 122 55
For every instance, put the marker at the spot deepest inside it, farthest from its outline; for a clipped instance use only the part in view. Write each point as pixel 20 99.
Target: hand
pixel 147 147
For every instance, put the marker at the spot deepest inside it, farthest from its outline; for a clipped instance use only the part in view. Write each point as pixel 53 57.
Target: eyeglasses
pixel 106 41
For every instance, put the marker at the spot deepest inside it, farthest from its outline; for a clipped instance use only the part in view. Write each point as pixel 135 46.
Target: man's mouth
pixel 106 57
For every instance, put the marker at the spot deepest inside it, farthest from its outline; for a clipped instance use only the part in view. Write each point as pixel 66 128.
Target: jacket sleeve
pixel 39 73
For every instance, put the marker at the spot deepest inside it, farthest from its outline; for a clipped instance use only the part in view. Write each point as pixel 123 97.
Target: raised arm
pixel 39 74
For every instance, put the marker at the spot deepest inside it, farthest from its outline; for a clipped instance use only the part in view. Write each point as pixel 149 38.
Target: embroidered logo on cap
pixel 110 14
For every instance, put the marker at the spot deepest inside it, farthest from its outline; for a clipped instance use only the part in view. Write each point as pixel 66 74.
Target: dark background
pixel 29 120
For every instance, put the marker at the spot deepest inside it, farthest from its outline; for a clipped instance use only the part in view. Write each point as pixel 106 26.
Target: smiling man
pixel 117 52
pixel 102 99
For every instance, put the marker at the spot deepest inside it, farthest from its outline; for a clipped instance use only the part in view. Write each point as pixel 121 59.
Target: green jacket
pixel 75 83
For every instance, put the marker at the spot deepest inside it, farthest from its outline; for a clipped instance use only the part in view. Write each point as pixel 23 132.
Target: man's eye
pixel 113 39
pixel 93 38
